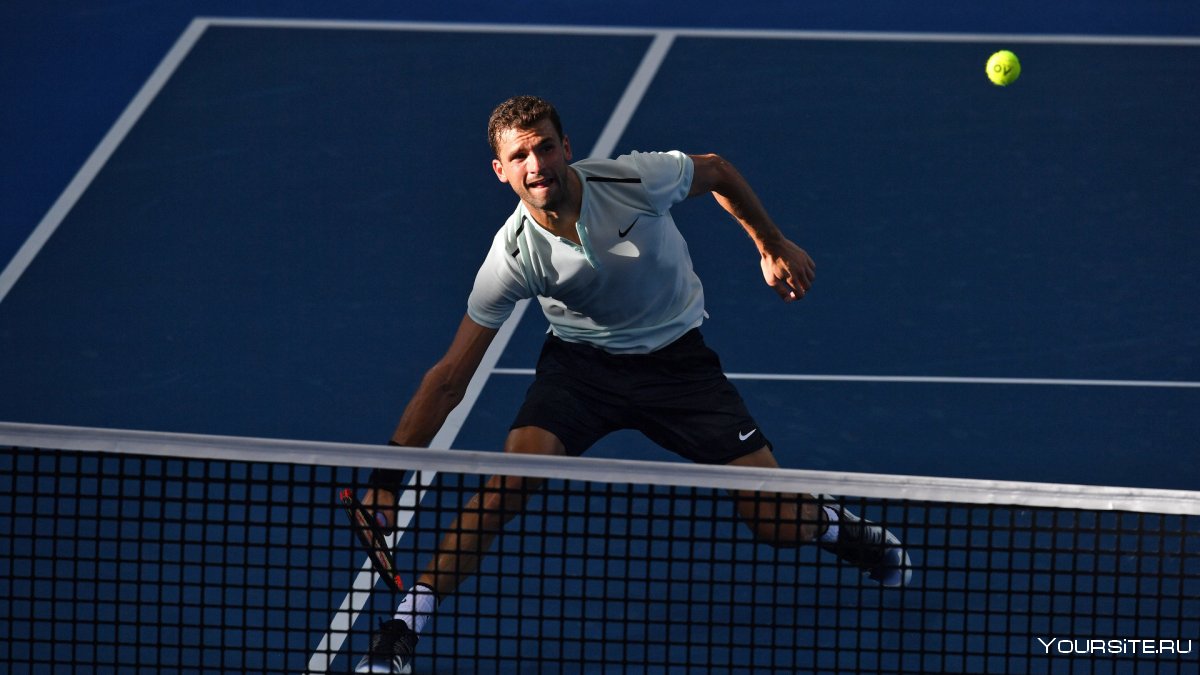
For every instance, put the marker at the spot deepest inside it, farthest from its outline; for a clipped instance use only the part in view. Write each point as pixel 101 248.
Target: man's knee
pixel 532 440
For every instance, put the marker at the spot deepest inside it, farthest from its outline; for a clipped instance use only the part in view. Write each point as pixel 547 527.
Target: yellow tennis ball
pixel 1003 68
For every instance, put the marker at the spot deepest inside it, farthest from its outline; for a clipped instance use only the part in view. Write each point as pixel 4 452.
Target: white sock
pixel 417 608
pixel 831 530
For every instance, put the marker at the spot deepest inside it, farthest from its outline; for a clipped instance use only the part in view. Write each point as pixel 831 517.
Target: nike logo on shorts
pixel 748 434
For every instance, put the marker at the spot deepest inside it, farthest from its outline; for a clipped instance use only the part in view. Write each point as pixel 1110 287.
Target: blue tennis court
pixel 278 236
pixel 283 241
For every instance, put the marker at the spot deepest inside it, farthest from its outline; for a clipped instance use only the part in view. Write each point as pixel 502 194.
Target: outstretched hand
pixel 788 269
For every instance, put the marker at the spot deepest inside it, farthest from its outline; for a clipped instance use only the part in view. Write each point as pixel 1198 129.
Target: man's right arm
pixel 444 386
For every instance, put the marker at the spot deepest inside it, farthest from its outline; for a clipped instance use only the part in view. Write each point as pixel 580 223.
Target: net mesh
pixel 192 561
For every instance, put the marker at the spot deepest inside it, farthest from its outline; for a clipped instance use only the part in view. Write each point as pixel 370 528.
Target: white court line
pixel 934 379
pixel 99 157
pixel 351 607
pixel 730 33
pixel 931 379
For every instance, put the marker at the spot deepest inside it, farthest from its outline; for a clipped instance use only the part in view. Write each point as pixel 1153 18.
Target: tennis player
pixel 595 242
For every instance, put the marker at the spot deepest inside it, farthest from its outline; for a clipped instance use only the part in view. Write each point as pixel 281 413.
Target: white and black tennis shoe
pixel 870 547
pixel 392 648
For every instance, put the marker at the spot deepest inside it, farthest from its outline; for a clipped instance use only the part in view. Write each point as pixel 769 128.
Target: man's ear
pixel 499 169
pixel 567 147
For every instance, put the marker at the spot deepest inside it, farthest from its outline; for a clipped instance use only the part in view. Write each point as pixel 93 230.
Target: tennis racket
pixel 371 535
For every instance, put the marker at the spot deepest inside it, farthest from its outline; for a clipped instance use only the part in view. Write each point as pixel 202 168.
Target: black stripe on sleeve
pixel 520 229
pixel 603 179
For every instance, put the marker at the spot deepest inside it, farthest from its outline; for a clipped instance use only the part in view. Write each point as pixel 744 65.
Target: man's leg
pixel 502 498
pixel 778 519
pixel 472 533
pixel 785 520
pixel 459 551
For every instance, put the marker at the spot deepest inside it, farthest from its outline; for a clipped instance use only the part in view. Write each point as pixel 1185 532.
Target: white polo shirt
pixel 629 288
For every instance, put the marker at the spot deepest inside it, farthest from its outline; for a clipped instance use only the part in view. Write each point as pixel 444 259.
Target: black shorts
pixel 677 396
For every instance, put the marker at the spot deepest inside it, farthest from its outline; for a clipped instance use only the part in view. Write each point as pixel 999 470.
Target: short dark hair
pixel 520 112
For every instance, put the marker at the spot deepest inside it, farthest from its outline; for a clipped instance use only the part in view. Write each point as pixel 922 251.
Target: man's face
pixel 534 162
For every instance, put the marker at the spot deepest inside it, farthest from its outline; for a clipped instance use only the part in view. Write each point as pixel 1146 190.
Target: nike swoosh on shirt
pixel 748 434
pixel 622 233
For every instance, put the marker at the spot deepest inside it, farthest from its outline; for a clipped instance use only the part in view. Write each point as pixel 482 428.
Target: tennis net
pixel 145 552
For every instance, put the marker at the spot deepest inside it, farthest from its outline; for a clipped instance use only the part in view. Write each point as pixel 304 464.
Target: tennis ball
pixel 1003 68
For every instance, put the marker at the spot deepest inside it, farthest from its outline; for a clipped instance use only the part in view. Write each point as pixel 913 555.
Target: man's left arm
pixel 786 267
